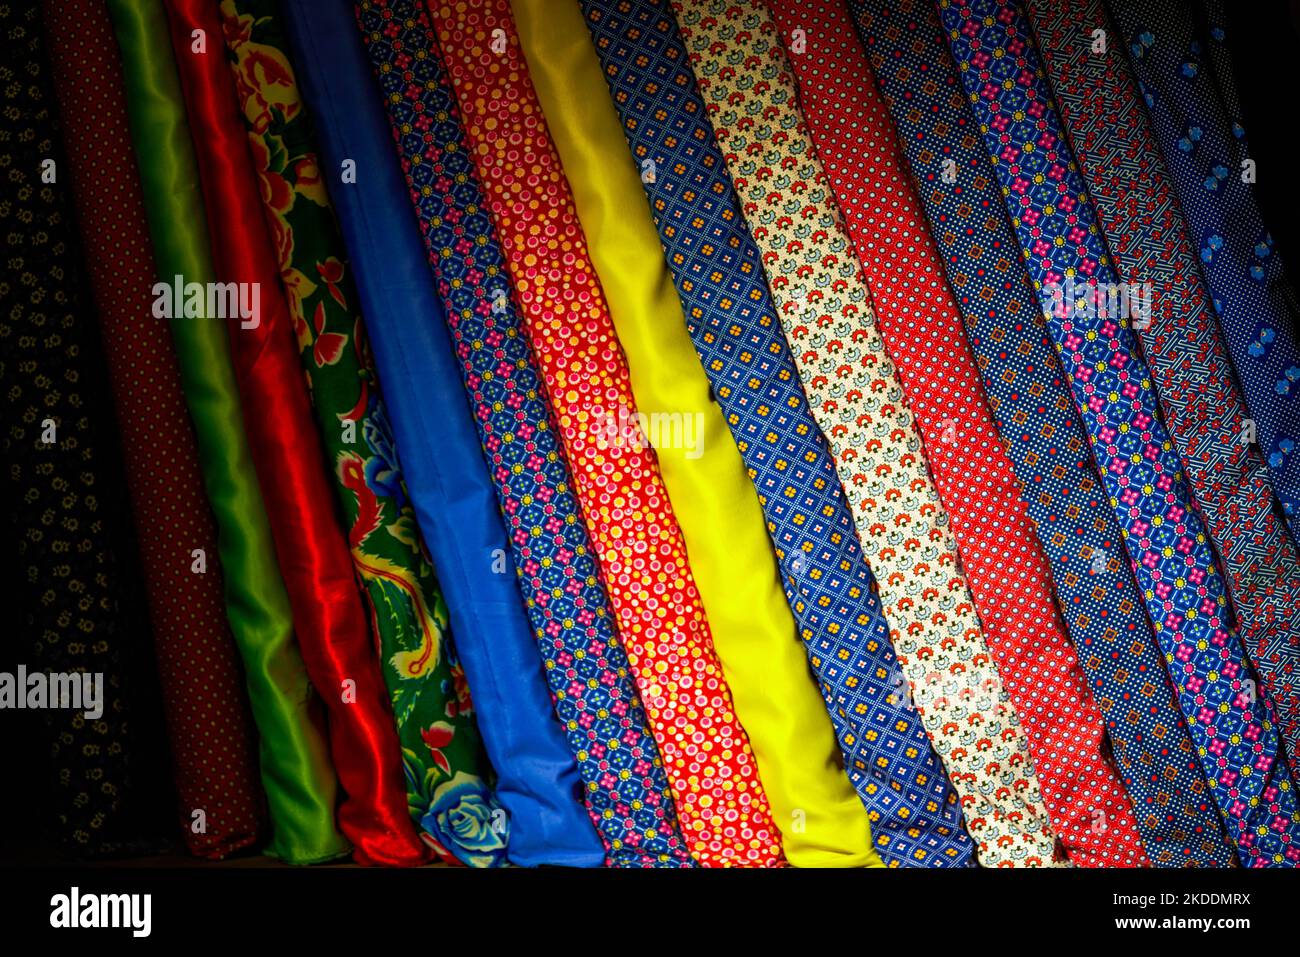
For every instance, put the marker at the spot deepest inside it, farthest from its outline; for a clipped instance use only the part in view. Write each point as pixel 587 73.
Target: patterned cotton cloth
pixel 442 759
pixel 1040 426
pixel 718 273
pixel 1055 224
pixel 1147 235
pixel 721 806
pixel 821 819
pixel 1177 50
pixel 627 790
pixel 855 395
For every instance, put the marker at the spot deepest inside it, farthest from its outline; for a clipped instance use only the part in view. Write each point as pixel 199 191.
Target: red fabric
pixel 208 724
pixel 721 805
pixel 1008 572
pixel 310 543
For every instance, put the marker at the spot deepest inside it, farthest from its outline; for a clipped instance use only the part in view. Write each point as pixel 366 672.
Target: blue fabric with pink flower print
pixel 586 666
pixel 1228 712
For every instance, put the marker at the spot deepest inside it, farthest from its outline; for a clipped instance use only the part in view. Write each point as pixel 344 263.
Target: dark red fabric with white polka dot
pixel 208 724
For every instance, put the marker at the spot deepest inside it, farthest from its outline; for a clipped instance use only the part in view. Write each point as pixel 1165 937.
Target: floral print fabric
pixel 441 754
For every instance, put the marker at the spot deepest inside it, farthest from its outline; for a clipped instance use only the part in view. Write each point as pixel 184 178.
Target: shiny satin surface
pixel 537 779
pixel 823 823
pixel 213 744
pixel 330 620
pixel 297 775
pixel 723 811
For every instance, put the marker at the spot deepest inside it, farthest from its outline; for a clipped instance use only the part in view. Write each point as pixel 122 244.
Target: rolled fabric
pixel 537 778
pixel 208 722
pixel 718 272
pixel 912 347
pixel 822 822
pixel 72 617
pixel 1040 427
pixel 1101 106
pixel 1233 727
pixel 1183 69
pixel 300 784
pixel 721 805
pixel 907 498
pixel 331 624
pixel 442 757
pixel 586 664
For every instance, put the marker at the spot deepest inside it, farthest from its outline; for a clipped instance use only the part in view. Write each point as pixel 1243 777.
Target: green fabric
pixel 297 775
pixel 441 750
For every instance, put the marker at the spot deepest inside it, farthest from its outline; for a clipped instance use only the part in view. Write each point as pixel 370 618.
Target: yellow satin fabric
pixel 822 821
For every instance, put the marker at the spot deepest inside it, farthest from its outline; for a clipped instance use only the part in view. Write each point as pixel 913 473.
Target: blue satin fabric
pixel 446 475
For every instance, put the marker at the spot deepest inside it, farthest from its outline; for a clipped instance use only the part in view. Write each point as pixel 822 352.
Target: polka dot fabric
pixel 1179 58
pixel 1055 223
pixel 856 399
pixel 208 724
pixel 1103 111
pixel 65 610
pixel 717 271
pixel 1043 435
pixel 721 806
pixel 1009 576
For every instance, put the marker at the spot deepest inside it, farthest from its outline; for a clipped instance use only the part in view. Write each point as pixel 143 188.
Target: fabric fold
pixel 536 777
pixel 822 822
pixel 198 662
pixel 297 775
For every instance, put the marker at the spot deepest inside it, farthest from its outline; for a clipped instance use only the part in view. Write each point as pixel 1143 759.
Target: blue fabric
pixel 915 819
pixel 1229 715
pixel 1044 438
pixel 537 777
pixel 585 663
pixel 1184 74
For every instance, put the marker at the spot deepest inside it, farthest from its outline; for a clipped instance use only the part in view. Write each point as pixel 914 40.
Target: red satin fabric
pixel 310 543
pixel 208 723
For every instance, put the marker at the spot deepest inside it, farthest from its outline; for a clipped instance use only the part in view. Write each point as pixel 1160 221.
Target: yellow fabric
pixel 822 821
pixel 923 593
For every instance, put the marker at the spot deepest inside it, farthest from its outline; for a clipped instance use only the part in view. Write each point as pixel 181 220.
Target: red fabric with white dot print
pixel 1006 569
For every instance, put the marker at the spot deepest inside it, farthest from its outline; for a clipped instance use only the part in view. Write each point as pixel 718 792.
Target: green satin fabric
pixel 822 821
pixel 297 774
